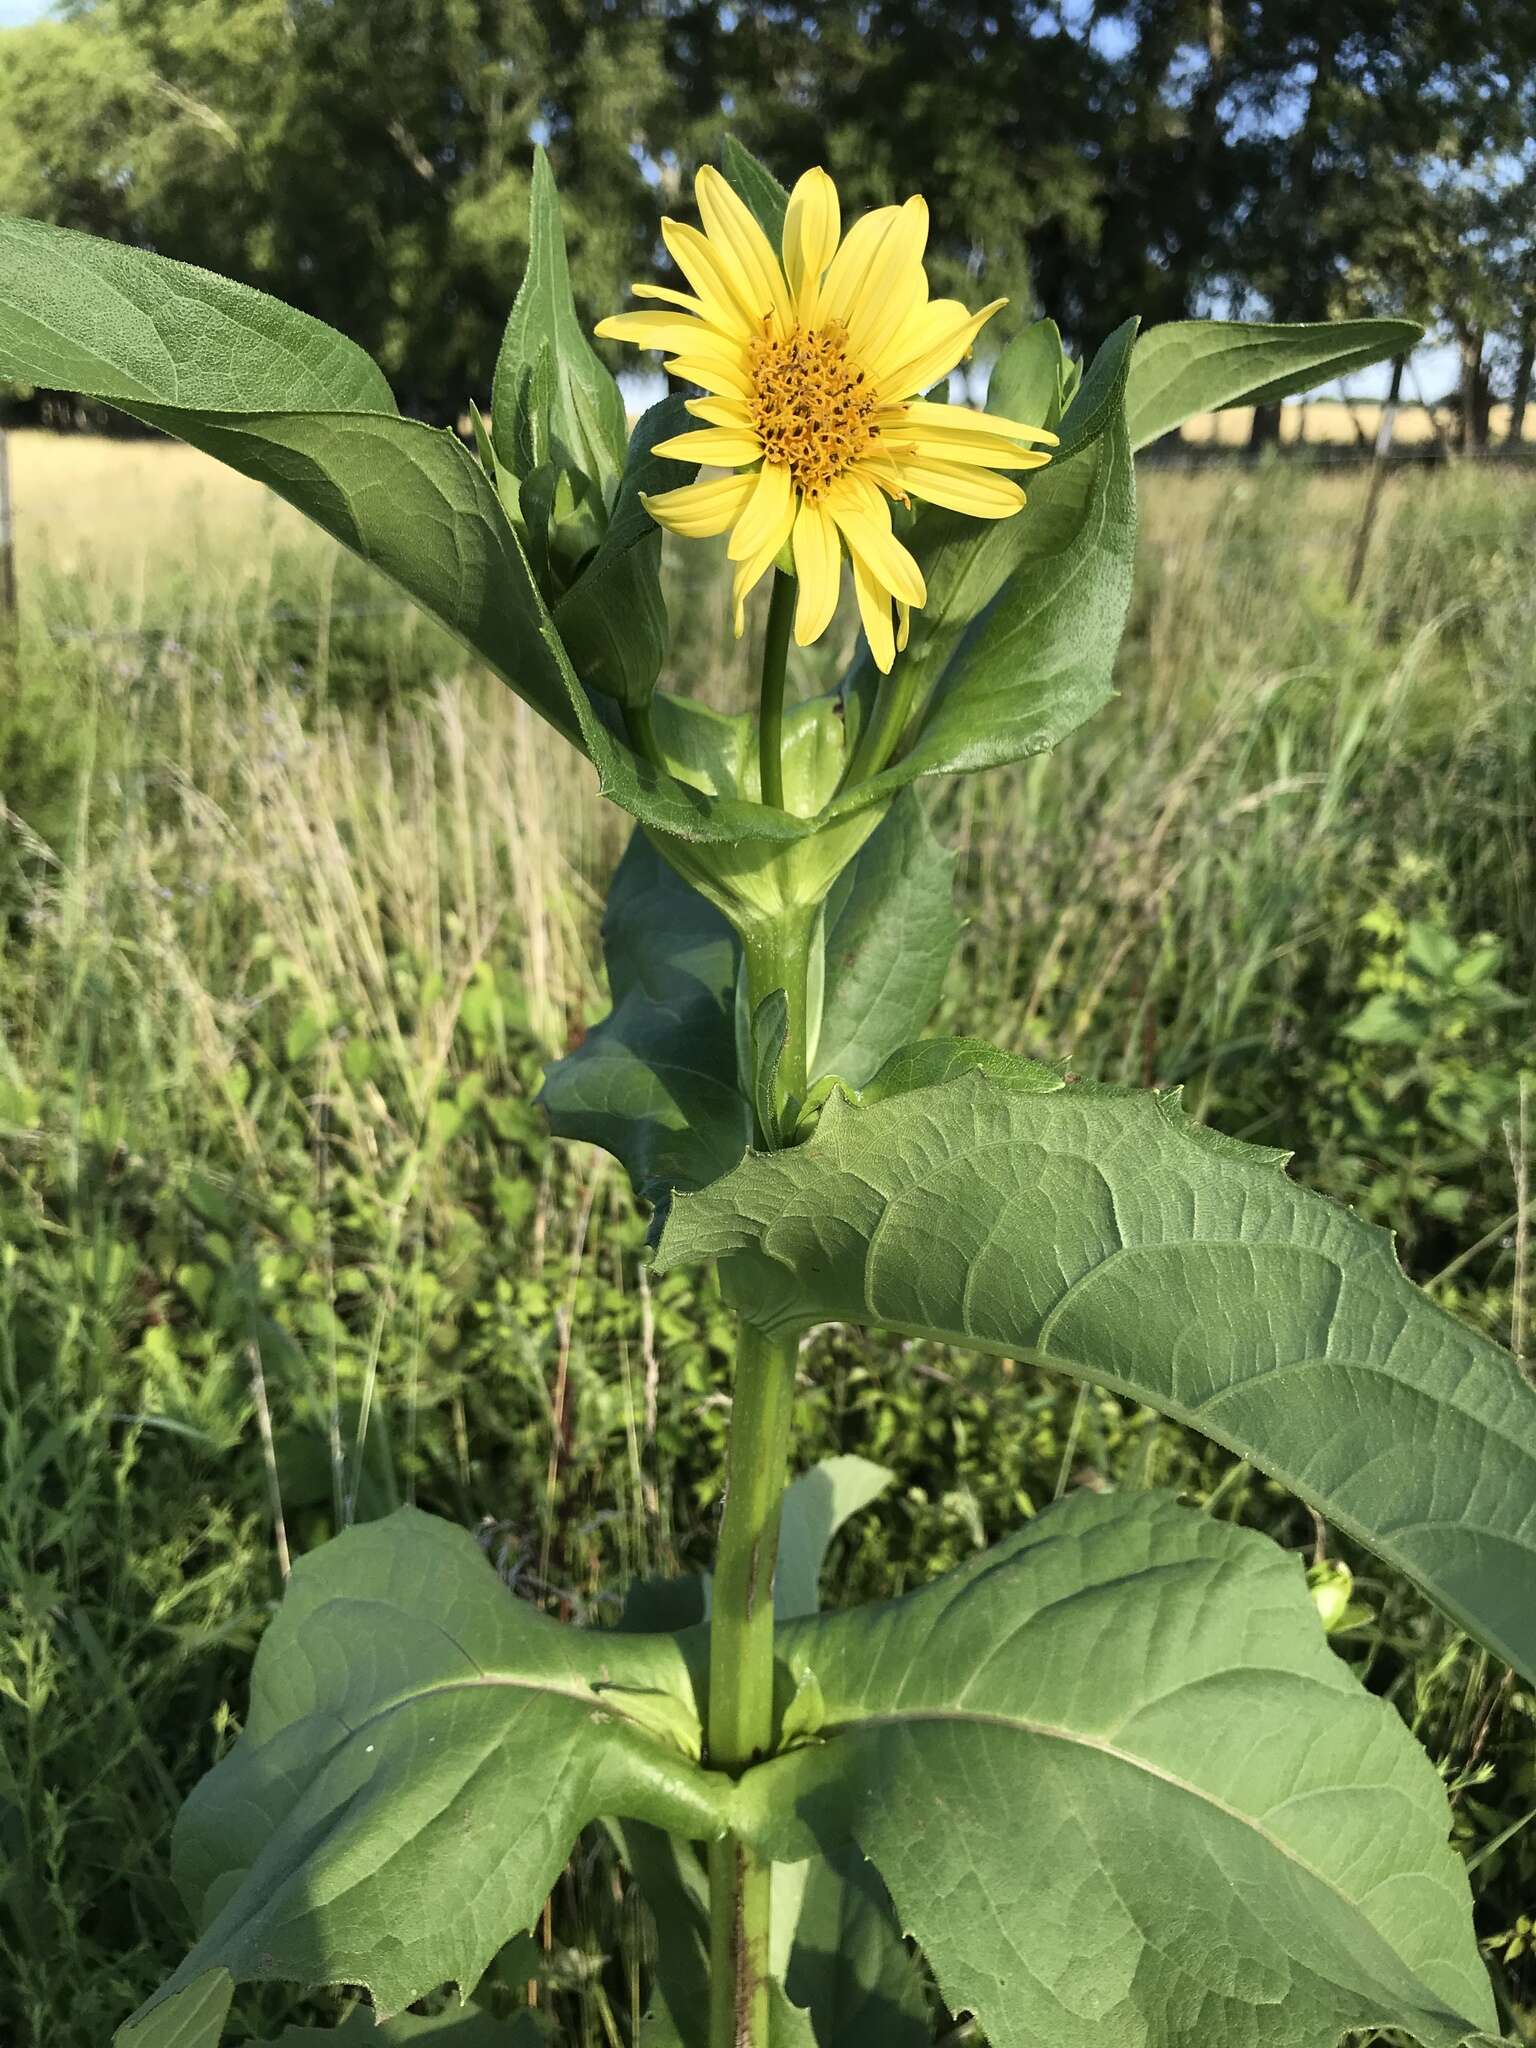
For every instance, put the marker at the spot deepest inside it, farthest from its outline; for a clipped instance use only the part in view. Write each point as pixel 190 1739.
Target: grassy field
pixel 293 909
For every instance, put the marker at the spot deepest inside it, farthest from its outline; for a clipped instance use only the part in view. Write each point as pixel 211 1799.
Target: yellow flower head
pixel 813 365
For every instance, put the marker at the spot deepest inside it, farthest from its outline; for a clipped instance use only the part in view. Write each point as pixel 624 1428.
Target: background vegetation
pixel 369 162
pixel 292 910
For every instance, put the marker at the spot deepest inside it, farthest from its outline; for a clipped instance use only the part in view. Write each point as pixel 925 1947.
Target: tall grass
pixel 292 911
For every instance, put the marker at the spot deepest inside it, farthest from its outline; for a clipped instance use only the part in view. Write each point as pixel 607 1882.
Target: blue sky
pixel 14 11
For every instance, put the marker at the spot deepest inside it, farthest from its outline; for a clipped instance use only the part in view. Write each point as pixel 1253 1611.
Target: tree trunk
pixel 1520 397
pixel 1474 390
pixel 1265 431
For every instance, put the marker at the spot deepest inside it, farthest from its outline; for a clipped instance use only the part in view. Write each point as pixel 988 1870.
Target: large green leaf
pixel 655 1083
pixel 282 398
pixel 413 501
pixel 1122 1791
pixel 1191 366
pixel 80 314
pixel 1099 1231
pixel 579 407
pixel 421 1751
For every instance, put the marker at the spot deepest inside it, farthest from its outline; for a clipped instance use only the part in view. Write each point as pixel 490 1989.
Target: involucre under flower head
pixel 813 361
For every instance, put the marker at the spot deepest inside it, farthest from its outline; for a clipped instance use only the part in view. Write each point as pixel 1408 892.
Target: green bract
pixel 1105 1785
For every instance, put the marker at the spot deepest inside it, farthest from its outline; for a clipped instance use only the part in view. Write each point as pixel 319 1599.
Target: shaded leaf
pixel 655 1082
pixel 1192 366
pixel 891 928
pixel 1097 1230
pixel 421 1751
pixel 841 1958
pixel 1028 380
pixel 613 619
pixel 1121 1790
pixel 459 2027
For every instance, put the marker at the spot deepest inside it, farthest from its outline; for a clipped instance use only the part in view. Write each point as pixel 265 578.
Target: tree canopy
pixel 368 160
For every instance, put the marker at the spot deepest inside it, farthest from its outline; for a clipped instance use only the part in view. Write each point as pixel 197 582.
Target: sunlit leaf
pixel 1097 1230
pixel 1192 366
pixel 420 1753
pixel 1121 1790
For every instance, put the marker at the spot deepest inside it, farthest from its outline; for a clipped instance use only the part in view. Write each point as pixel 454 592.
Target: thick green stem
pixel 741 1675
pixel 882 735
pixel 741 1690
pixel 770 717
pixel 779 957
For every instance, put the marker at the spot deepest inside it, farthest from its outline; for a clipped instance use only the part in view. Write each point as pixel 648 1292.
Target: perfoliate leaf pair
pixel 1113 1777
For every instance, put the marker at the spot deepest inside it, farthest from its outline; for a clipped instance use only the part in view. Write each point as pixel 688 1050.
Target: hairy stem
pixel 741 1703
pixel 770 717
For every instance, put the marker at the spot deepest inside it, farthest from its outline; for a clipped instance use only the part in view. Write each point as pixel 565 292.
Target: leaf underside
pixel 1099 1231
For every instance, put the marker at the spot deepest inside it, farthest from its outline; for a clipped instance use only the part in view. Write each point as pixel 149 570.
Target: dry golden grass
pixel 1327 423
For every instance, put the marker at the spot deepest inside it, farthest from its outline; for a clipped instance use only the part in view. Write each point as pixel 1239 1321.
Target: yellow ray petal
pixel 875 613
pixel 699 511
pixel 724 447
pixel 812 225
pixel 673 332
pixel 818 566
pixel 744 250
pixel 903 626
pixel 987 451
pixel 932 342
pixel 700 262
pixel 961 488
pixel 965 419
pixel 864 520
pixel 720 412
pixel 849 268
pixel 668 297
pixel 896 287
pixel 715 371
pixel 770 513
pixel 748 575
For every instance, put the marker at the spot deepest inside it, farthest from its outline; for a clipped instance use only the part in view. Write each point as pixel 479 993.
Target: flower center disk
pixel 811 405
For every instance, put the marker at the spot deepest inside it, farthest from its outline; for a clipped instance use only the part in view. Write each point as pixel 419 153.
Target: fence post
pixel 7 541
pixel 1378 472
